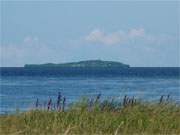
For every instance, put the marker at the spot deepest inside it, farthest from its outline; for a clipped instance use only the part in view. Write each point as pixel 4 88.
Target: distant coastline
pixel 81 64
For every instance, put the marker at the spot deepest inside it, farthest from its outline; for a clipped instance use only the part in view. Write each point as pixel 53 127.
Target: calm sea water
pixel 20 90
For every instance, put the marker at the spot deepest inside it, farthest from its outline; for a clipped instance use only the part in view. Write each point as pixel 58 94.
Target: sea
pixel 20 87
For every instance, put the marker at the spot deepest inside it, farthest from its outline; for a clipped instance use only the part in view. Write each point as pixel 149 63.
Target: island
pixel 81 64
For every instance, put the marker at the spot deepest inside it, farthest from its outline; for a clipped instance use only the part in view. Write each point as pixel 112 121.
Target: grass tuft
pixel 95 117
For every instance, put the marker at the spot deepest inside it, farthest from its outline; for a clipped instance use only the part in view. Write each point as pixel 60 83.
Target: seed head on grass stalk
pixel 90 106
pixel 63 105
pixel 49 104
pixel 168 97
pixel 98 97
pixel 124 100
pixel 161 99
pixel 59 101
pixel 37 103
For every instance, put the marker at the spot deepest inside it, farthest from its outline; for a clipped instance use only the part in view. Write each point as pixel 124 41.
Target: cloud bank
pixel 135 47
pixel 29 50
pixel 120 37
pixel 101 37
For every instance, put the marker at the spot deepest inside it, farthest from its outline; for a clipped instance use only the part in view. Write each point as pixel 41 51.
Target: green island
pixel 81 64
pixel 105 117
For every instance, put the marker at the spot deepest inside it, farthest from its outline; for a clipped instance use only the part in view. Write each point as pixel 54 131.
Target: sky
pixel 139 33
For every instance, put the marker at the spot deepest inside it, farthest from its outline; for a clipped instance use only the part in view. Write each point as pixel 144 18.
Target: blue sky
pixel 136 33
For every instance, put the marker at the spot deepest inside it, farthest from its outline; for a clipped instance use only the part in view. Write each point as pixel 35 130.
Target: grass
pixel 95 117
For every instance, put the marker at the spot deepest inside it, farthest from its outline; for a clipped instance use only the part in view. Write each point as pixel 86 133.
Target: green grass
pixel 140 118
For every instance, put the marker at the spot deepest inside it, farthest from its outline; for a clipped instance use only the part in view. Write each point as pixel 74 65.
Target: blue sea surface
pixel 20 91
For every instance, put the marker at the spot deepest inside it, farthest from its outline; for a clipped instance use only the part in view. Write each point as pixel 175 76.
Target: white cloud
pixel 136 32
pixel 31 49
pixel 119 37
pixel 99 36
pixel 31 40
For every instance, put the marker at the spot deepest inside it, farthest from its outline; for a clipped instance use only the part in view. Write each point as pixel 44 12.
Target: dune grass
pixel 107 117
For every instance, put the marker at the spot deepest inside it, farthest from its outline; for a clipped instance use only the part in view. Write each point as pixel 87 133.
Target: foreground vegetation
pixel 95 117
